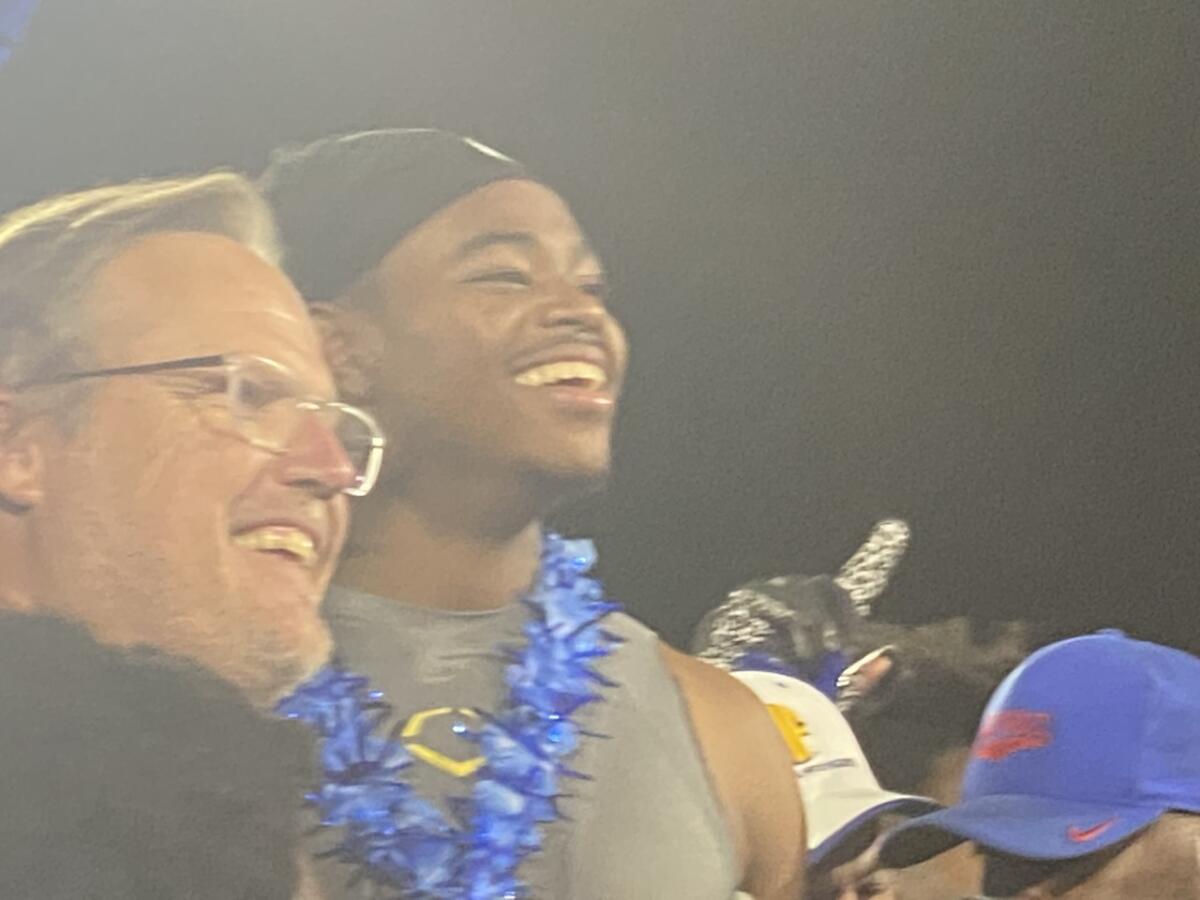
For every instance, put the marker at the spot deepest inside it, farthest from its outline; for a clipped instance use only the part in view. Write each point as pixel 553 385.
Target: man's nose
pixel 567 303
pixel 570 309
pixel 315 460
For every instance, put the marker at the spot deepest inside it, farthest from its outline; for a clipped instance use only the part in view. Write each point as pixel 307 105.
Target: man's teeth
pixel 553 373
pixel 279 537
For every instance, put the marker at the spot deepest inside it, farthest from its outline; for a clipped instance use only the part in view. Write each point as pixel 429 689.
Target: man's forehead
pixel 178 294
pixel 512 208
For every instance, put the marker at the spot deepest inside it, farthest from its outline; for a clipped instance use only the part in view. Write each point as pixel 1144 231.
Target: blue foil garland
pixel 404 843
pixel 15 16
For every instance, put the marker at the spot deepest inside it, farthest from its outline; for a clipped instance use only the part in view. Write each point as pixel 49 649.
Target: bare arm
pixel 306 887
pixel 752 774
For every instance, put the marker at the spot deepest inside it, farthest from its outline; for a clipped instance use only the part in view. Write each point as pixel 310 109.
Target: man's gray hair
pixel 50 251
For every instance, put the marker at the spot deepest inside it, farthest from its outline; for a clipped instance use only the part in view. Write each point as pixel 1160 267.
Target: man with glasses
pixel 466 305
pixel 173 481
pixel 173 467
pixel 1084 779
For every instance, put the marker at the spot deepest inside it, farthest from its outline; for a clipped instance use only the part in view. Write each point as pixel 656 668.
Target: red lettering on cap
pixel 1004 733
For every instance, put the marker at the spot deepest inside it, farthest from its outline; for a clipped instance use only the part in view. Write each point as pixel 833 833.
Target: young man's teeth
pixel 552 373
pixel 274 537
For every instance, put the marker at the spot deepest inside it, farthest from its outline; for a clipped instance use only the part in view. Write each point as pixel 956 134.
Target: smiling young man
pixel 459 297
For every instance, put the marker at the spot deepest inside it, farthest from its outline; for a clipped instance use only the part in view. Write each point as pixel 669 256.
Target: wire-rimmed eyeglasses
pixel 264 406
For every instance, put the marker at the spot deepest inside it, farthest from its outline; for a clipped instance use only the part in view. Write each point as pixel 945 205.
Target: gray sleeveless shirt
pixel 646 826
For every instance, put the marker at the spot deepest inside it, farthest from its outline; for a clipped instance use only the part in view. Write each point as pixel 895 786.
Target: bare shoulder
pixel 712 683
pixel 727 714
pixel 752 774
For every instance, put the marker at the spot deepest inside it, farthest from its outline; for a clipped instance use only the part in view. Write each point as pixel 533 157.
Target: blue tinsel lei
pixel 14 24
pixel 404 843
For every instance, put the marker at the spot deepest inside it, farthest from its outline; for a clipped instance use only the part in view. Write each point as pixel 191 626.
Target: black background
pixel 936 260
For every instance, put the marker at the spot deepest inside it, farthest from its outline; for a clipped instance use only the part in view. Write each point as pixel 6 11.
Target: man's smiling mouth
pixel 566 373
pixel 285 540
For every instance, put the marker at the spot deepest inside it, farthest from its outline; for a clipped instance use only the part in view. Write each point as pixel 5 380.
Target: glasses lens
pixel 359 439
pixel 275 427
pixel 264 407
pixel 257 394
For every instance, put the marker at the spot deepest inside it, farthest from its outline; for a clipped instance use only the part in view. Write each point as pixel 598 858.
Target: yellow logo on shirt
pixel 794 731
pixel 459 768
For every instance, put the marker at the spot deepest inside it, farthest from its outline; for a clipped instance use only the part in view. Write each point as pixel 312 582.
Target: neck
pixel 463 544
pixel 16 582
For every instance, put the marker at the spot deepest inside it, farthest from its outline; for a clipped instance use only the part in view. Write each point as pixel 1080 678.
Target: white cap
pixel 840 792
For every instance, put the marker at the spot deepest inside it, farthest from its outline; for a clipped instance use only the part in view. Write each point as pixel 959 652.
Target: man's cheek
pixel 158 449
pixel 339 519
pixel 195 478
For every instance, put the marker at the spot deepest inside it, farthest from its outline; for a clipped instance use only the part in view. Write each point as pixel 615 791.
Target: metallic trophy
pixel 799 625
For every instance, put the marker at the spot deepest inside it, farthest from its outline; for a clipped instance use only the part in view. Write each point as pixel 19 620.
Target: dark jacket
pixel 131 775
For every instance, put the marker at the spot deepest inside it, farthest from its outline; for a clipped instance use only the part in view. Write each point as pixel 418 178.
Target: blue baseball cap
pixel 1087 742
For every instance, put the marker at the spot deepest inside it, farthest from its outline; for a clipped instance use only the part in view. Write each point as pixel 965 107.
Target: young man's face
pixel 500 350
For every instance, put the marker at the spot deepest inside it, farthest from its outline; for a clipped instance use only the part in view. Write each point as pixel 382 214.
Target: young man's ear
pixel 22 467
pixel 353 346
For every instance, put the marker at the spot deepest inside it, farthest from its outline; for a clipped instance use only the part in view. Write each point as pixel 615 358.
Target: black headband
pixel 343 202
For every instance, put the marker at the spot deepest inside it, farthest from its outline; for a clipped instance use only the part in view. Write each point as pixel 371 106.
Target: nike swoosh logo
pixel 1083 835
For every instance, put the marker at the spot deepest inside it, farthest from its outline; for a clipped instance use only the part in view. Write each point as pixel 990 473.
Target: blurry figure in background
pixel 172 471
pixel 845 808
pixel 1083 780
pixel 914 705
pixel 915 702
pixel 913 696
pixel 463 302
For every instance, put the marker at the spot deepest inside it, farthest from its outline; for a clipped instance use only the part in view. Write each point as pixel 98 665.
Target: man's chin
pixel 279 671
pixel 582 466
pixel 561 485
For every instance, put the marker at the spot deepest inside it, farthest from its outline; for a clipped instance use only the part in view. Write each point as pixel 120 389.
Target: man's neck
pixel 444 552
pixel 17 592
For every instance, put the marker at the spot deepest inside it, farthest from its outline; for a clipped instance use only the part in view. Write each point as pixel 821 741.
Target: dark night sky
pixel 930 259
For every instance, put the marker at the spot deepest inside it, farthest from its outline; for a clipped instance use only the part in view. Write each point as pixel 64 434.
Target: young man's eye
pixel 501 276
pixel 597 289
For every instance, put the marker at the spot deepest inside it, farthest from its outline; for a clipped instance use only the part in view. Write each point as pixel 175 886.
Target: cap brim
pixel 1031 827
pixel 836 818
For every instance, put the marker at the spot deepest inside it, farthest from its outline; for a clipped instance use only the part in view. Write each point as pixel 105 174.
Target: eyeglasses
pixel 264 407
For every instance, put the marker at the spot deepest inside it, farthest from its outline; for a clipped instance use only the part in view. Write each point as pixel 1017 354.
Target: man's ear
pixel 353 345
pixel 22 465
